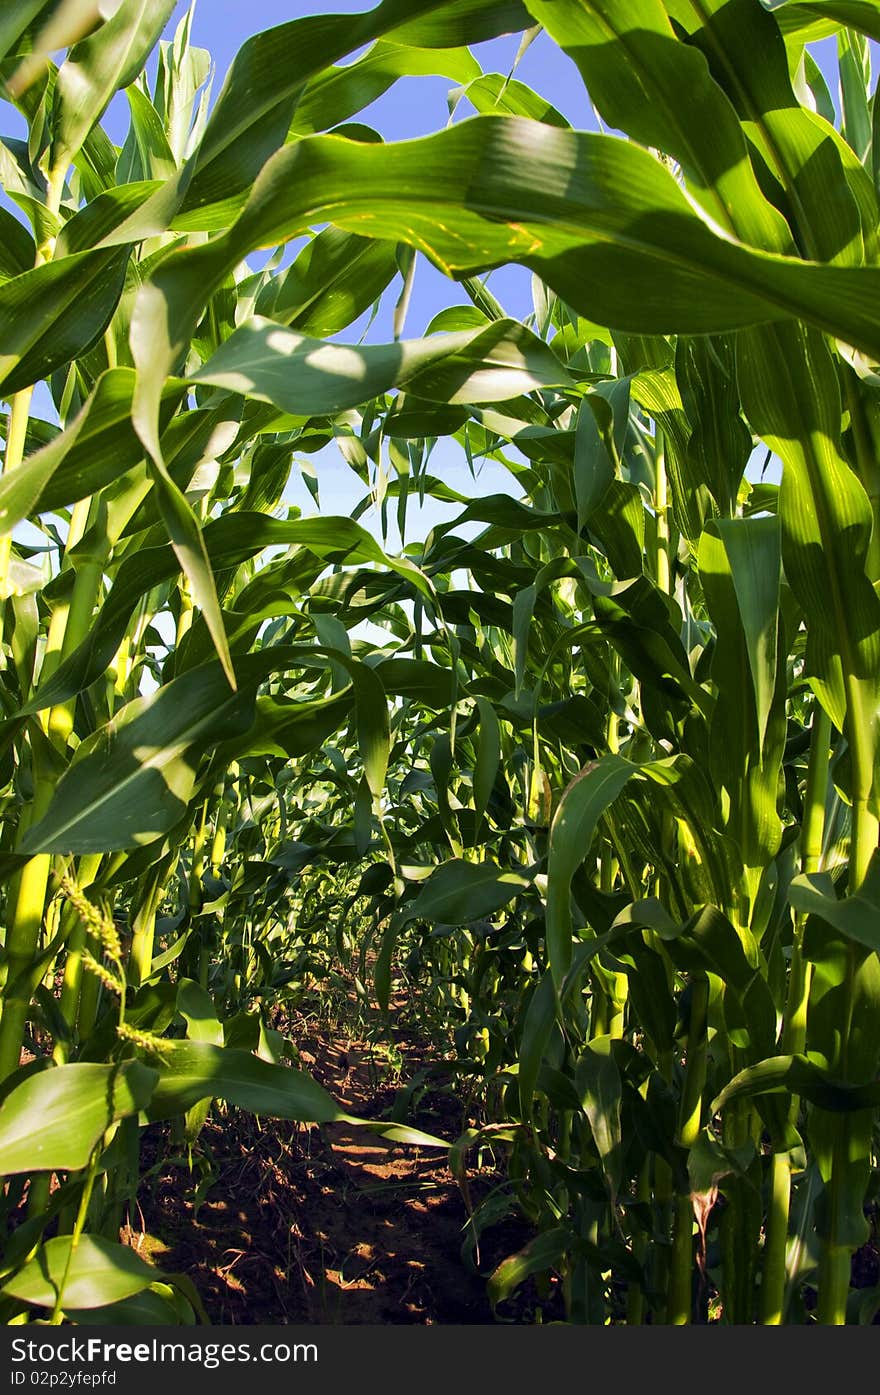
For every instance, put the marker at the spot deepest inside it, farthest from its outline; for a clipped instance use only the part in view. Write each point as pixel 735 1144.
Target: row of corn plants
pixel 600 782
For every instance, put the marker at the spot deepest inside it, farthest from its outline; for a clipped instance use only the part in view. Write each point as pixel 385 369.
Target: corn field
pixel 588 775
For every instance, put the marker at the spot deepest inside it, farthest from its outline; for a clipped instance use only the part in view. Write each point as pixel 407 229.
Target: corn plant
pixel 606 792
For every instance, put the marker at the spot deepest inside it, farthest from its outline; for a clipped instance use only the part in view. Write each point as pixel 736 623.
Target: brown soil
pixel 296 1224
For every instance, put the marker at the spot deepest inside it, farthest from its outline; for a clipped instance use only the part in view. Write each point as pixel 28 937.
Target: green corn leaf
pixel 538 1023
pixel 720 443
pixel 619 524
pixel 256 104
pixel 488 757
pixel 803 1075
pixel 830 202
pixel 660 91
pixel 571 834
pixel 15 22
pixel 807 20
pixel 708 943
pixel 740 570
pixel 845 987
pixel 854 66
pixel 373 727
pixel 99 219
pixel 97 447
pixel 56 312
pixel 618 240
pixel 196 1006
pixel 230 540
pixel 856 917
pixel 98 1272
pixel 149 1308
pixel 307 377
pixel 132 781
pixel 55 1119
pixel 459 22
pixel 334 279
pixel 192 1071
pixel 752 550
pixel 341 92
pixel 458 892
pixel 791 398
pixel 845 983
pixel 428 682
pixel 490 92
pixel 181 523
pixel 658 391
pixel 648 984
pixel 17 249
pixel 294 728
pixel 99 66
pixel 546 1251
pixel 814 79
pixel 638 620
pixel 186 537
pixel 500 360
pixel 146 153
pixel 594 464
pixel 521 626
pixel 598 1083
pixel 429 709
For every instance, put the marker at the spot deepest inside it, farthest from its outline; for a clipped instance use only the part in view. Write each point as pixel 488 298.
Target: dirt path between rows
pixel 295 1224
